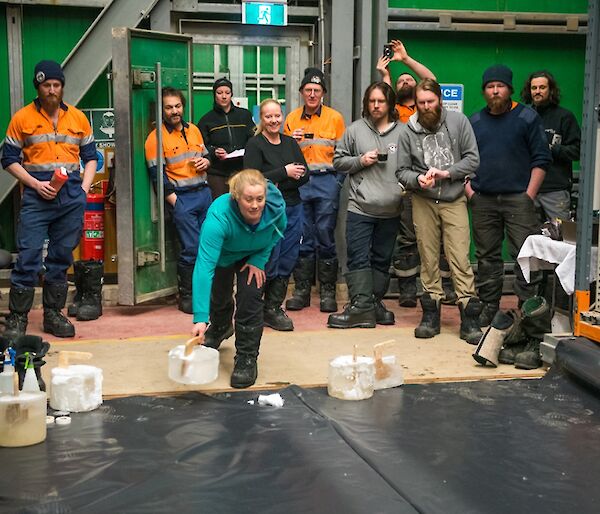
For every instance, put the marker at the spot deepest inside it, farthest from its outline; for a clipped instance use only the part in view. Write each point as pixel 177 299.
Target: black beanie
pixel 313 76
pixel 222 82
pixel 46 70
pixel 499 73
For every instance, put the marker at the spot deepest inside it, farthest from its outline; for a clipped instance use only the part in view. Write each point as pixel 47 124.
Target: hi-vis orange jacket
pixel 34 142
pixel 179 146
pixel 327 127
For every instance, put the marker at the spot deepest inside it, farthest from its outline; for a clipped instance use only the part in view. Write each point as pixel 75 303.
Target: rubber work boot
pixel 360 312
pixel 509 353
pixel 407 286
pixel 430 322
pixel 488 312
pixel 530 357
pixel 37 350
pixel 20 300
pixel 184 285
pixel 328 274
pixel 247 344
pixel 54 297
pixel 274 316
pixel 381 282
pixel 488 350
pixel 304 275
pixel 469 321
pixel 216 334
pixel 92 278
pixel 449 297
pixel 77 272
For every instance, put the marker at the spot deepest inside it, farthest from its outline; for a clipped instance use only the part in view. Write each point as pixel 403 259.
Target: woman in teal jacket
pixel 240 230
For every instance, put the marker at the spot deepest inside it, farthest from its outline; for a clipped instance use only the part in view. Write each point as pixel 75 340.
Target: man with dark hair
pixel 42 136
pixel 564 138
pixel 367 153
pixel 436 152
pixel 514 155
pixel 186 193
pixel 406 261
pixel 225 129
pixel 317 128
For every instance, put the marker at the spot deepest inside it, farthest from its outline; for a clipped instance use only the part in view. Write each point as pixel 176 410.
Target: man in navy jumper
pixel 514 155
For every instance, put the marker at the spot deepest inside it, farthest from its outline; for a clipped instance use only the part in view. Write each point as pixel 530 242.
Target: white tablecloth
pixel 540 252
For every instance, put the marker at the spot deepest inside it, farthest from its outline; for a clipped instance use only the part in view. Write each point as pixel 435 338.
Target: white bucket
pixel 76 388
pixel 201 366
pixel 23 419
pixel 351 378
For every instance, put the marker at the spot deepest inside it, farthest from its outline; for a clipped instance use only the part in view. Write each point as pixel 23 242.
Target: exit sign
pixel 272 13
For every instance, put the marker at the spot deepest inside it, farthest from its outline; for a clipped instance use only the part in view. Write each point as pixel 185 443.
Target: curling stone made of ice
pixel 23 419
pixel 351 377
pixel 77 387
pixel 193 364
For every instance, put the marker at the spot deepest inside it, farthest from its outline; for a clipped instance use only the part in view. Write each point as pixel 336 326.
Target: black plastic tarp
pixel 480 447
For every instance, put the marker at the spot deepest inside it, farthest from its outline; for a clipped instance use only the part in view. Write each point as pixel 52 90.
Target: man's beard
pixel 51 102
pixel 497 104
pixel 405 93
pixel 430 120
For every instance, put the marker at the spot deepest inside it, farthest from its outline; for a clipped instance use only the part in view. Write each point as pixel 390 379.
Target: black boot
pixel 328 273
pixel 530 357
pixel 217 333
pixel 274 316
pixel 407 286
pixel 430 322
pixel 360 313
pixel 381 282
pixel 449 297
pixel 469 321
pixel 54 298
pixel 247 343
pixel 488 312
pixel 184 285
pixel 304 275
pixel 37 349
pixel 20 300
pixel 92 277
pixel 77 271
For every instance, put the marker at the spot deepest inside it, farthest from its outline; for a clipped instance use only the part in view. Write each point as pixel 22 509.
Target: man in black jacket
pixel 225 128
pixel 564 137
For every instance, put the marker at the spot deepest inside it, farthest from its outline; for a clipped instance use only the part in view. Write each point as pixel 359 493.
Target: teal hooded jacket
pixel 225 238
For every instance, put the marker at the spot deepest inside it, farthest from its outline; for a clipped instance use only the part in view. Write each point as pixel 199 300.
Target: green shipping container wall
pixel 557 6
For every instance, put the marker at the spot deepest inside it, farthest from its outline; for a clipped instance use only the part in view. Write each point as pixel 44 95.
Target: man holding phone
pixel 317 128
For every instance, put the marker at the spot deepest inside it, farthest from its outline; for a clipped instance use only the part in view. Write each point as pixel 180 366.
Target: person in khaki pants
pixel 437 151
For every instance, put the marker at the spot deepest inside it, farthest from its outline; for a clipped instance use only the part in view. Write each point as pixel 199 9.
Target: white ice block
pixel 76 388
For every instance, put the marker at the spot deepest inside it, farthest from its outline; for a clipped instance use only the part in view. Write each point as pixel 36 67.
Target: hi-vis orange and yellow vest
pixel 179 147
pixel 327 127
pixel 405 112
pixel 33 141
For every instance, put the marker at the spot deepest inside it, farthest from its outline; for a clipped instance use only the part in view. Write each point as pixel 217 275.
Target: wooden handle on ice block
pixel 65 355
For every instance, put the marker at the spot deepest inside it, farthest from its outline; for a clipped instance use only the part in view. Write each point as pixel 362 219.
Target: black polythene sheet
pixel 482 447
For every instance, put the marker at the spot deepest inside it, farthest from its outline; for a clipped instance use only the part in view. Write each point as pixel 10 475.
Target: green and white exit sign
pixel 272 13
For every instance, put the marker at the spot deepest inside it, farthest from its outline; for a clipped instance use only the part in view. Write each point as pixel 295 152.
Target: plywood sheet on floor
pixel 139 365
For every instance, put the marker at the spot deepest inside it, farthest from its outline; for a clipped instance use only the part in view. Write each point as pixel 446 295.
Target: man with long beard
pixel 406 261
pixel 436 152
pixel 42 136
pixel 514 156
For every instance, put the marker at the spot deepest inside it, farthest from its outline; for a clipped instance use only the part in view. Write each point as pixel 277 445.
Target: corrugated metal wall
pixel 557 6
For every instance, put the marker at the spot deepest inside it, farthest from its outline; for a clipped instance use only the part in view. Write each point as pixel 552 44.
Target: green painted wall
pixel 558 6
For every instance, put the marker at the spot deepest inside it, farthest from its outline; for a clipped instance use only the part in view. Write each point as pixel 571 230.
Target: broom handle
pixel 190 343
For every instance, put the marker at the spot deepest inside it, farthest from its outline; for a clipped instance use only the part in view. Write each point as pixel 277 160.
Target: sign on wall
pixel 272 12
pixel 453 96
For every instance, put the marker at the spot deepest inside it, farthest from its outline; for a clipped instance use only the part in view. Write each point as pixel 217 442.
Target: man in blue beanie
pixel 45 135
pixel 514 155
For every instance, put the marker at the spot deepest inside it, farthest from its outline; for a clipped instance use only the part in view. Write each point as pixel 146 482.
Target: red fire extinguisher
pixel 92 242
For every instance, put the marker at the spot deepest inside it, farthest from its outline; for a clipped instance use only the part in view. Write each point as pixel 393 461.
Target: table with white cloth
pixel 543 253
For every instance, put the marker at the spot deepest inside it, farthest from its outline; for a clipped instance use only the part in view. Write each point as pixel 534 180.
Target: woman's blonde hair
pixel 259 126
pixel 248 177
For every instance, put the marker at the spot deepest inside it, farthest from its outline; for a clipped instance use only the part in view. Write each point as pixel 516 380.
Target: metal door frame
pixel 122 87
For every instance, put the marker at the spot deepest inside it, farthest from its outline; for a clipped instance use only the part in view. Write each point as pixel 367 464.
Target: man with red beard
pixel 514 155
pixel 406 261
pixel 45 135
pixel 436 152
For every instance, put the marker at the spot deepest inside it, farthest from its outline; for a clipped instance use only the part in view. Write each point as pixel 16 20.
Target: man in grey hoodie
pixel 437 151
pixel 367 153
